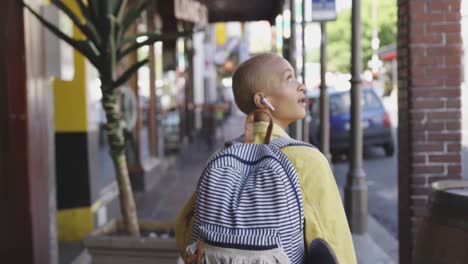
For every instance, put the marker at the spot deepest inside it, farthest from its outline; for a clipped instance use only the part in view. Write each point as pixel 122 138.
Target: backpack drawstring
pixel 198 254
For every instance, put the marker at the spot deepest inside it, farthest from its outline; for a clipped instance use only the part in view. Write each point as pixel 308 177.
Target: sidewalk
pixel 177 184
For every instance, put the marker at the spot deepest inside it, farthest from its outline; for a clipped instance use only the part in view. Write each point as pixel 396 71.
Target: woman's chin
pixel 298 117
pixel 303 114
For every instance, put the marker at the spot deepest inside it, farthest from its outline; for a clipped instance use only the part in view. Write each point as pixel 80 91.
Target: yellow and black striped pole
pixel 74 165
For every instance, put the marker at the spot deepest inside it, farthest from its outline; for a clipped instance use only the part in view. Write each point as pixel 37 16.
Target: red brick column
pixel 429 97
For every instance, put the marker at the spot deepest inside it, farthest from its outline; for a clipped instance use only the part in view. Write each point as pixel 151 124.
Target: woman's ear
pixel 258 101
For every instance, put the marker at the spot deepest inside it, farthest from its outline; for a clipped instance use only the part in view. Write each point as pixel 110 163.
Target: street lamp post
pixel 356 186
pixel 324 106
pixel 307 119
pixel 296 127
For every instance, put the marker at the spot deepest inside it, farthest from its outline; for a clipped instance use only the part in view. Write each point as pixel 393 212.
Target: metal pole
pixel 296 127
pixel 303 25
pixel 293 38
pixel 324 106
pixel 306 123
pixel 152 86
pixel 356 186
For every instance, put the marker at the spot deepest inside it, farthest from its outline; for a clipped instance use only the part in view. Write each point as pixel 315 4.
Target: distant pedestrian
pixel 209 126
pixel 267 83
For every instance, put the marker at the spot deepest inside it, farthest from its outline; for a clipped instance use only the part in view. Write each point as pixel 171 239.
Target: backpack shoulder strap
pixel 278 143
pixel 282 142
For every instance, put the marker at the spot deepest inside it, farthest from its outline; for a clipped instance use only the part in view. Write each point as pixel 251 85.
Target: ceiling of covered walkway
pixel 243 10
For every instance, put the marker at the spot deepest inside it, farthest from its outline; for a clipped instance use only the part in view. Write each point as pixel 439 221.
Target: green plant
pixel 339 33
pixel 105 25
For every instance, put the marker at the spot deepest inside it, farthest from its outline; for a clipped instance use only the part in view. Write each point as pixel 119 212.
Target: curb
pixel 83 258
pixel 386 241
pixel 377 246
pixel 376 239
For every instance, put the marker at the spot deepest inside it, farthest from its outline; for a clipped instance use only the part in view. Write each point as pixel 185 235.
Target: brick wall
pixel 430 73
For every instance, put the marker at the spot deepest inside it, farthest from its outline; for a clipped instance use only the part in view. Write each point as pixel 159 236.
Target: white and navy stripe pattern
pixel 259 239
pixel 249 197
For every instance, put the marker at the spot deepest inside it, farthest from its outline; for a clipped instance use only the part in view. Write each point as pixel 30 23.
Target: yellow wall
pixel 70 96
pixel 74 224
pixel 220 30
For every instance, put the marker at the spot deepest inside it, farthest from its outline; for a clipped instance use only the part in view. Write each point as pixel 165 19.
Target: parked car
pixel 376 124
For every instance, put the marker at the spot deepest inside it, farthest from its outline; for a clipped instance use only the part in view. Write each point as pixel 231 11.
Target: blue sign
pixel 323 10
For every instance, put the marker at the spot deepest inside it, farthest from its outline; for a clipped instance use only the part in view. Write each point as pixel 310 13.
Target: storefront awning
pixel 242 10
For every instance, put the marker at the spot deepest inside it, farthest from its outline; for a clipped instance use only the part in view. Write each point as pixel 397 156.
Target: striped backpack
pixel 249 205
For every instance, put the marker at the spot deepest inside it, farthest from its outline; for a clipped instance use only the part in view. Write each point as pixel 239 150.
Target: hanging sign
pixel 323 10
pixel 191 10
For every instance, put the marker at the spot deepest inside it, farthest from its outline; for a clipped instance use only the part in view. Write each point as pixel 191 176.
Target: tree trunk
pixel 114 128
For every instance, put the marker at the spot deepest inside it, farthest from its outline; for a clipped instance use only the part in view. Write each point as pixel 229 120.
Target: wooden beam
pixel 24 142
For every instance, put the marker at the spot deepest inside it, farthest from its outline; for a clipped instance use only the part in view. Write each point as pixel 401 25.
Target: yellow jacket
pixel 323 210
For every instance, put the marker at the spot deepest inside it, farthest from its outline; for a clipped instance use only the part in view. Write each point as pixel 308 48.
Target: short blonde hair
pixel 248 79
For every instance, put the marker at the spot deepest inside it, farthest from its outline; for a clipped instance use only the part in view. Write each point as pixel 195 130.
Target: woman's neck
pixel 264 118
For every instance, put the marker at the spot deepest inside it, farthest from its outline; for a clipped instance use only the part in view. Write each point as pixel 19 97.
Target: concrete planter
pixel 107 247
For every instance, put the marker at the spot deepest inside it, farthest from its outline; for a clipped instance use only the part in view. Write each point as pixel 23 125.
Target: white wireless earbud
pixel 267 103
